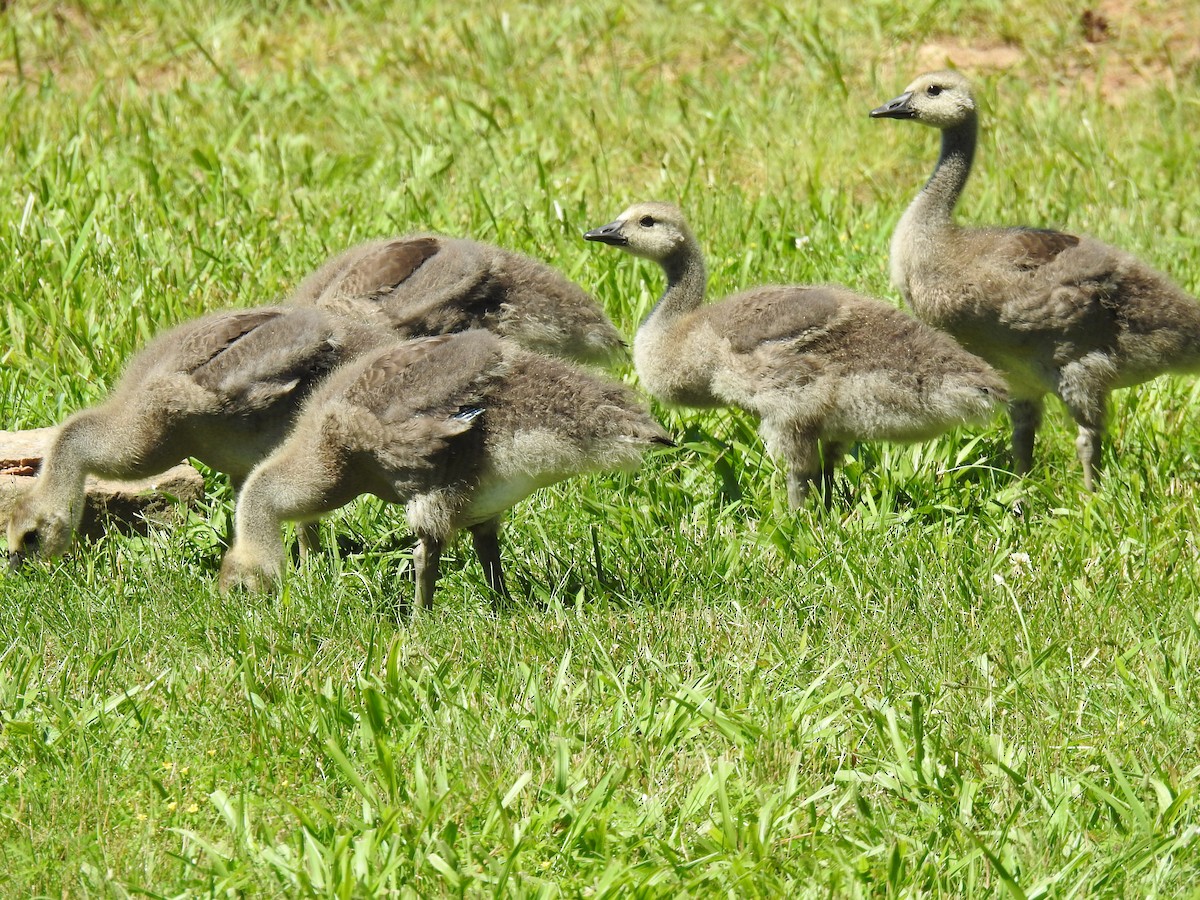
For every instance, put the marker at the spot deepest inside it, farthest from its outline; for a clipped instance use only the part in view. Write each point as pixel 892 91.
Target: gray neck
pixel 257 522
pixel 68 462
pixel 940 194
pixel 686 280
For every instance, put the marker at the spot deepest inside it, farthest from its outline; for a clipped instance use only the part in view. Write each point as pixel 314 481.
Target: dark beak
pixel 15 559
pixel 900 108
pixel 608 234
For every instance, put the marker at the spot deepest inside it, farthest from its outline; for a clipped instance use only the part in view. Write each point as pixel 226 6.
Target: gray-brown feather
pixel 816 363
pixel 429 284
pixel 457 428
pixel 1057 313
pixel 224 388
pixel 281 354
pixel 779 313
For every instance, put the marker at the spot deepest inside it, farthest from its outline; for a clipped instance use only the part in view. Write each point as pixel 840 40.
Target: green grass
pixel 922 694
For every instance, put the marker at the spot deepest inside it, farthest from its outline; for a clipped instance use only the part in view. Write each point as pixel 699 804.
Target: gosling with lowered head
pixel 223 388
pixel 457 428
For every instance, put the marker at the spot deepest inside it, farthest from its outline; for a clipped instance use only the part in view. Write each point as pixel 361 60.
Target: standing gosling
pixel 1056 313
pixel 223 388
pixel 817 365
pixel 428 284
pixel 457 428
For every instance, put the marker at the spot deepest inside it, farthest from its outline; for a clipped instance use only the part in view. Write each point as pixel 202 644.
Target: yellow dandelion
pixel 193 808
pixel 171 806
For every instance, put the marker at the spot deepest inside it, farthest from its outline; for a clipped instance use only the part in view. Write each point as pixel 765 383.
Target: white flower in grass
pixel 999 579
pixel 1019 560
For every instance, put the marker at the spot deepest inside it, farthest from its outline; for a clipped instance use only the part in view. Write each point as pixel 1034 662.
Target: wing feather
pixel 771 314
pixel 257 358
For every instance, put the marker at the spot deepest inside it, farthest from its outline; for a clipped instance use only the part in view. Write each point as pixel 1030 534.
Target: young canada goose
pixel 817 365
pixel 223 388
pixel 457 428
pixel 1057 313
pixel 427 285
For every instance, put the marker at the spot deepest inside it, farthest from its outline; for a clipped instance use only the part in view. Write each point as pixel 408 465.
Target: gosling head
pixel 939 99
pixel 654 231
pixel 38 528
pixel 244 570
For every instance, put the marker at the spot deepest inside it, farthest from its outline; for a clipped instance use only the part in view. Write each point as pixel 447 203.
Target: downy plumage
pixel 817 365
pixel 1057 313
pixel 456 428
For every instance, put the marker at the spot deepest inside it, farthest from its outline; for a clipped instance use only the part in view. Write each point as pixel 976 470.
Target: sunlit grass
pixel 953 684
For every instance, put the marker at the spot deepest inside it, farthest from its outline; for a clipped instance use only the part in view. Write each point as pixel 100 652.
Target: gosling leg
pixel 1085 393
pixel 308 539
pixel 1088 444
pixel 804 467
pixel 230 535
pixel 831 454
pixel 486 538
pixel 427 557
pixel 1026 418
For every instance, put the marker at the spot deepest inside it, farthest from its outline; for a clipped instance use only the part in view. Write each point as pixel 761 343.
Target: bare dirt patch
pixel 1118 46
pixel 953 54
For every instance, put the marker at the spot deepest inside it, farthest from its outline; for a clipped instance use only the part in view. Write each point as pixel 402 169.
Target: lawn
pixel 954 684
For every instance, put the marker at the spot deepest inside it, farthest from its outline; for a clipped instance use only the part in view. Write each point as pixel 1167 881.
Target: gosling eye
pixel 933 90
pixel 646 221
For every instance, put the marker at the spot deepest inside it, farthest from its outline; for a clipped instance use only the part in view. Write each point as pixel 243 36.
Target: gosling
pixel 820 367
pixel 457 428
pixel 223 388
pixel 427 285
pixel 1057 313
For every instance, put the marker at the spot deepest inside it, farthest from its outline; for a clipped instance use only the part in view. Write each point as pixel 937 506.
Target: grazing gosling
pixel 1057 313
pixel 819 366
pixel 428 285
pixel 223 388
pixel 457 428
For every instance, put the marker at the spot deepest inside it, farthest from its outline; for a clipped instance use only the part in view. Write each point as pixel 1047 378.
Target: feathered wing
pixel 772 314
pixel 363 270
pixel 455 291
pixel 379 269
pixel 1031 248
pixel 1066 285
pixel 198 342
pixel 424 392
pixel 420 285
pixel 259 357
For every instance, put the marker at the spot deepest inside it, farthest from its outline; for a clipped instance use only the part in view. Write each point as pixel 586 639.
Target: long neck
pixel 258 523
pixel 686 279
pixel 67 463
pixel 938 198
